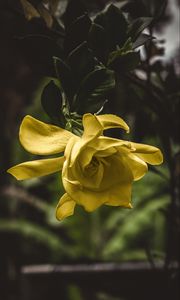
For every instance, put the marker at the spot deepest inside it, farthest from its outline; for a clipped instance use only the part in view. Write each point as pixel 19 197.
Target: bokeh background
pixel 29 232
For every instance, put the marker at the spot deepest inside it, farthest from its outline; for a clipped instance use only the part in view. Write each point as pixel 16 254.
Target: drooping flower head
pixel 96 169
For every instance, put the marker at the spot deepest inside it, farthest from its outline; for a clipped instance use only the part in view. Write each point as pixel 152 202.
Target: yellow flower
pixel 96 169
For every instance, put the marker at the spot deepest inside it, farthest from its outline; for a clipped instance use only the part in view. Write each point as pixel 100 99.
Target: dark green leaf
pixel 123 59
pixel 77 33
pixel 137 26
pixel 65 76
pixel 98 41
pixel 93 90
pixel 81 62
pixel 123 62
pixel 115 25
pixel 75 9
pixel 141 40
pixel 51 100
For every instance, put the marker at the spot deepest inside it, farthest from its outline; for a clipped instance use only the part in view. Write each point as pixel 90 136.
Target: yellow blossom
pixel 96 169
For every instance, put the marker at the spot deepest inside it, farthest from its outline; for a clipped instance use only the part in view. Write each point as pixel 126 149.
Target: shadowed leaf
pixel 51 100
pixel 115 25
pixel 137 26
pixel 93 90
pixel 77 33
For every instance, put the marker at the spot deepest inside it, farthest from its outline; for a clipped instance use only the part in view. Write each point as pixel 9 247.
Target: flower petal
pixel 72 150
pixel 92 127
pixel 85 156
pixel 121 196
pixel 65 207
pixel 36 168
pixel 115 187
pixel 40 138
pixel 117 195
pixel 116 172
pixel 88 199
pixel 138 167
pixel 149 154
pixel 112 121
pixel 103 143
pixel 95 124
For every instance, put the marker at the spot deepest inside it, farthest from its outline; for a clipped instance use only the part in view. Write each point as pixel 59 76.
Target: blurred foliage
pixel 87 56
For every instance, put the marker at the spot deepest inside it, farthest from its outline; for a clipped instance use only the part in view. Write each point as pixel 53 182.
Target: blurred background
pixel 147 97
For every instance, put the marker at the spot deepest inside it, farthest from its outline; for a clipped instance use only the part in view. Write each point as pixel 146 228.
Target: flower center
pixel 92 167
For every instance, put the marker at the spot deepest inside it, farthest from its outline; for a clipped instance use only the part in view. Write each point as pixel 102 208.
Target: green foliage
pixel 137 26
pixel 81 62
pixel 98 42
pixel 53 108
pixel 32 231
pixel 77 33
pixel 92 91
pixel 64 75
pixel 124 59
pixel 91 52
pixel 128 234
pixel 115 25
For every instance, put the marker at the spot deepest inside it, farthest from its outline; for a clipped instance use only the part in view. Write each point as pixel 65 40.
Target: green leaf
pixel 64 74
pixel 137 26
pixel 98 41
pixel 115 25
pixel 93 90
pixel 126 62
pixel 76 124
pixel 124 59
pixel 51 100
pixel 81 62
pixel 77 33
pixel 141 40
pixel 74 10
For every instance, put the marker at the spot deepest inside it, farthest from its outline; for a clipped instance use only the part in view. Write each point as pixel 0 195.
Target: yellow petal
pixel 103 143
pixel 65 207
pixel 88 199
pixel 72 149
pixel 117 195
pixel 90 178
pixel 116 172
pixel 36 168
pixel 92 127
pixel 85 156
pixel 121 196
pixel 112 121
pixel 41 138
pixel 138 167
pixel 149 154
pixel 115 187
